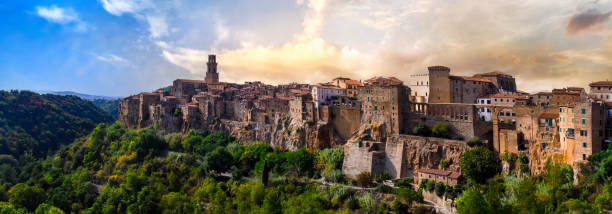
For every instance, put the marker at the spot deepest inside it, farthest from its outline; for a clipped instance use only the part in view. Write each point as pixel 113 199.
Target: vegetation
pixel 110 106
pixel 474 141
pixel 421 130
pixel 33 126
pixel 117 170
pixel 442 130
pixel 479 164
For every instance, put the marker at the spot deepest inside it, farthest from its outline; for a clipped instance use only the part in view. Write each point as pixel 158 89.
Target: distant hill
pixel 80 95
pixel 36 124
pixel 110 106
pixel 108 103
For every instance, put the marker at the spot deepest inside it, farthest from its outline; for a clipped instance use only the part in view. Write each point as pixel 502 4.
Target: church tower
pixel 212 76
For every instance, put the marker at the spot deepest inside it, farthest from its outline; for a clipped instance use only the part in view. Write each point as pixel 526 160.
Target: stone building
pixel 581 130
pixel 438 175
pixel 351 86
pixel 438 86
pixel 601 90
pixel 212 76
pixel 385 99
pixel 502 81
pixel 301 107
pixel 323 93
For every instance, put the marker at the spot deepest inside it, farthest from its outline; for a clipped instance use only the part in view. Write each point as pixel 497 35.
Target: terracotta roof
pixel 455 175
pixel 438 67
pixel 514 96
pixel 192 81
pixel 544 93
pixel 601 83
pixel 384 81
pixel 353 82
pixel 475 79
pixel 494 73
pixel 522 92
pixel 435 172
pixel 549 115
pixel 149 93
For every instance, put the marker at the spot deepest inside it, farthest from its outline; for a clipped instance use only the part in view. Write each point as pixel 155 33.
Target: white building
pixel 601 90
pixel 484 113
pixel 322 94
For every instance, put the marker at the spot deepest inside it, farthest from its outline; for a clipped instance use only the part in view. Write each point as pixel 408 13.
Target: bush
pixel 442 130
pixel 474 141
pixel 352 203
pixel 421 130
pixel 479 164
pixel 364 179
pixel 443 164
pixel 440 189
pixel 367 203
pixel 430 185
pixel 386 189
pixel 333 176
pixel 404 182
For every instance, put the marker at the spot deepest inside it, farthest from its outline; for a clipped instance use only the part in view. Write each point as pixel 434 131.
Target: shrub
pixel 430 185
pixel 440 189
pixel 474 141
pixel 367 203
pixel 443 164
pixel 442 130
pixel 352 203
pixel 364 179
pixel 386 189
pixel 333 176
pixel 404 182
pixel 479 164
pixel 421 129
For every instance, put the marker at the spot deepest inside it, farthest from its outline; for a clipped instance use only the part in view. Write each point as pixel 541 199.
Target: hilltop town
pixel 375 120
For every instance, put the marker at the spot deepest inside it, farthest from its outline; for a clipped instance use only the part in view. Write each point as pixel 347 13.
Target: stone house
pixel 449 177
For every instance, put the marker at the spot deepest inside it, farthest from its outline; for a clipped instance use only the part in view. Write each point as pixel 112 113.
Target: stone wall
pixel 402 155
pixel 345 120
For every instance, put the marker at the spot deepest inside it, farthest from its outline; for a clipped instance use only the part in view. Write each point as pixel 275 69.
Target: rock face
pixel 398 155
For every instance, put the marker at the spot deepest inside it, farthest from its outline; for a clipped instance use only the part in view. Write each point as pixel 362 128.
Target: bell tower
pixel 212 76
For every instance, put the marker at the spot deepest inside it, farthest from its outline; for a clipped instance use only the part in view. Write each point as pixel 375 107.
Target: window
pixel 583 111
pixel 583 120
pixel 583 156
pixel 488 101
pixel 584 144
pixel 560 109
pixel 583 133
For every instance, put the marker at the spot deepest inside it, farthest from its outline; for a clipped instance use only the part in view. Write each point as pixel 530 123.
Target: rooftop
pixel 601 83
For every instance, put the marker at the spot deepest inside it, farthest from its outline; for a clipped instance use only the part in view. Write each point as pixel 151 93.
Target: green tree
pixel 479 164
pixel 47 209
pixel 6 208
pixel 301 160
pixel 474 141
pixel 442 130
pixel 604 199
pixel 421 130
pixel 219 160
pixel 26 196
pixel 473 202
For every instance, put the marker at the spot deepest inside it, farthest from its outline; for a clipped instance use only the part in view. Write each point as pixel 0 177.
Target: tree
pixel 472 202
pixel 301 160
pixel 474 141
pixel 26 196
pixel 47 209
pixel 421 130
pixel 219 160
pixel 364 179
pixel 479 164
pixel 6 208
pixel 440 189
pixel 605 198
pixel 442 130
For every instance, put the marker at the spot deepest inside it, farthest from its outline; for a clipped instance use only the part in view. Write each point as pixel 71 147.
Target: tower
pixel 211 74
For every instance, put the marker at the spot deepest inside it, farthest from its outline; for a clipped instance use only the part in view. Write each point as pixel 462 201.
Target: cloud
pixel 111 58
pixel 63 16
pixel 119 7
pixel 585 21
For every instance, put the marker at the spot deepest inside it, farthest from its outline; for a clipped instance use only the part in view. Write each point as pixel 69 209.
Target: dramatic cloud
pixel 62 16
pixel 363 38
pixel 586 20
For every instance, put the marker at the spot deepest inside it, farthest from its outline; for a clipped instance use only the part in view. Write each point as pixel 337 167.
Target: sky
pixel 123 47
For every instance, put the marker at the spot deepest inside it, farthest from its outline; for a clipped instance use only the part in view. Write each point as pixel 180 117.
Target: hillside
pixel 111 106
pixel 36 125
